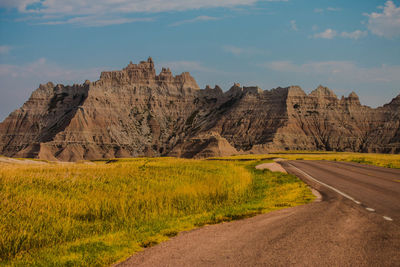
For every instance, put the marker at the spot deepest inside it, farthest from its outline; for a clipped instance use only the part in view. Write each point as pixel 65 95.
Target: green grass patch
pixel 98 214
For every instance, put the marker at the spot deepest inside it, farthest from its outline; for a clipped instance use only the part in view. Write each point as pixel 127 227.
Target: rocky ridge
pixel 135 112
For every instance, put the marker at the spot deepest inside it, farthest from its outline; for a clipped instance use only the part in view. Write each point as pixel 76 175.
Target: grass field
pixel 98 213
pixel 382 160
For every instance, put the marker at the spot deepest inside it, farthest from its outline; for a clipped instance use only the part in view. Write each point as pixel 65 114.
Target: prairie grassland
pixel 99 213
pixel 382 160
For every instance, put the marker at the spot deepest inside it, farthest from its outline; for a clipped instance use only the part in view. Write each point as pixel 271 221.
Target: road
pixel 356 223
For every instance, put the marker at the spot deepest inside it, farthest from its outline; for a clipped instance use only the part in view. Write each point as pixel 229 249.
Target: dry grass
pixel 96 214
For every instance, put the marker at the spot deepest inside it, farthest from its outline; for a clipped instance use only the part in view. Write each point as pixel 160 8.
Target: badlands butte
pixel 135 112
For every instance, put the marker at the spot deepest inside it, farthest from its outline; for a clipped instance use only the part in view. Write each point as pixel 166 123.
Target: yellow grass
pixel 99 213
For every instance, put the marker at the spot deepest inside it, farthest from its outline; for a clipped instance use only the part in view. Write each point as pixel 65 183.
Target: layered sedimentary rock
pixel 135 112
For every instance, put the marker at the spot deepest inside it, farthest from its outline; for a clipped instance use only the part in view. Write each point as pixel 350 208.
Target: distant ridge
pixel 135 112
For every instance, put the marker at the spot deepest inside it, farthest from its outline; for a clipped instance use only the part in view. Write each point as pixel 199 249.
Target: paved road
pixel 335 231
pixel 375 188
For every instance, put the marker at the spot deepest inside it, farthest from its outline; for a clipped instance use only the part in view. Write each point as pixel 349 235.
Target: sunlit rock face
pixel 135 112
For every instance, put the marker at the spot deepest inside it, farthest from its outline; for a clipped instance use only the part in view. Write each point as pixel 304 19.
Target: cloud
pixel 354 35
pixel 293 25
pixel 333 9
pixel 327 34
pixel 196 19
pixel 92 7
pixel 93 21
pixel 322 10
pixel 330 34
pixel 237 51
pixel 387 23
pixel 233 50
pixel 108 12
pixel 5 49
pixel 344 71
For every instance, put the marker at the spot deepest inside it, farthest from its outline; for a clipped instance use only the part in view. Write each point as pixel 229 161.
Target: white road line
pixel 370 209
pixel 387 218
pixel 330 187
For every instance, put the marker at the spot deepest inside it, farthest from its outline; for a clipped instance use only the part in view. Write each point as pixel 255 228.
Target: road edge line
pixel 326 185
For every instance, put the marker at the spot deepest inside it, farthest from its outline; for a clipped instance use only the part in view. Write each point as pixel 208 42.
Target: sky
pixel 345 45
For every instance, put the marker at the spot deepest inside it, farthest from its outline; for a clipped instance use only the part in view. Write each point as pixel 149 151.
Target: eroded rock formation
pixel 135 112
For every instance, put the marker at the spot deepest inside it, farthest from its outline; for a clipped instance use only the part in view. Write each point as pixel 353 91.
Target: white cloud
pixel 327 34
pixel 293 25
pixel 237 51
pixel 233 50
pixel 344 71
pixel 196 19
pixel 93 21
pixel 387 23
pixel 322 10
pixel 330 34
pixel 5 49
pixel 91 7
pixel 354 35
pixel 107 12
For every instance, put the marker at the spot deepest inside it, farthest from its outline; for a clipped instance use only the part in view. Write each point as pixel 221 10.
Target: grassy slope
pixel 97 214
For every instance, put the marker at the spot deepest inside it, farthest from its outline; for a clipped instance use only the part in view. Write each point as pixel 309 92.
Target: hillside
pixel 135 112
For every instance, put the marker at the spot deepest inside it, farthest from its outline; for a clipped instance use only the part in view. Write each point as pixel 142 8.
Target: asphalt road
pixel 356 223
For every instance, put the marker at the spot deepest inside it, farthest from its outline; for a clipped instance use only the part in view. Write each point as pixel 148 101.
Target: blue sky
pixel 345 45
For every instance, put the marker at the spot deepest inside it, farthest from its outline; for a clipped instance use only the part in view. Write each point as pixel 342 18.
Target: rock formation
pixel 135 112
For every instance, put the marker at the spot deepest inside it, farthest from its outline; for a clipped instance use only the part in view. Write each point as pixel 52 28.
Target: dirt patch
pixel 273 166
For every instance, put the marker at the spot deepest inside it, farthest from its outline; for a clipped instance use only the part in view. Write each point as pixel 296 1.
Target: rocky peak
pixel 396 99
pixel 322 91
pixel 353 95
pixel 353 99
pixel 165 75
pixel 149 65
pixel 213 92
pixel 252 90
pixel 235 90
pixel 144 73
pixel 395 103
pixel 46 86
pixel 296 91
pixel 218 90
pixel 185 80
